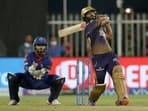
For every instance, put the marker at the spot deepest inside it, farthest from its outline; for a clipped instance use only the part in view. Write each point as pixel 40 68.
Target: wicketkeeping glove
pixel 38 74
pixel 32 68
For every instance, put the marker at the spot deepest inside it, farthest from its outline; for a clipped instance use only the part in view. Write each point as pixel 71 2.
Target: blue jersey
pixel 43 61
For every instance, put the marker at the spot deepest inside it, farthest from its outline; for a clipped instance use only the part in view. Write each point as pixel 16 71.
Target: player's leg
pixel 56 86
pixel 115 70
pixel 14 81
pixel 120 85
pixel 99 86
pixel 96 92
pixel 13 84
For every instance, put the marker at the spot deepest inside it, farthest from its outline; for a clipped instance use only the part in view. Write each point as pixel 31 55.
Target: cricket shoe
pixel 13 102
pixel 54 102
pixel 122 102
pixel 91 103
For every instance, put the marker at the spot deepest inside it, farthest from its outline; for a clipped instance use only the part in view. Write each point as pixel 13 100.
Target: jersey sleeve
pixel 27 62
pixel 90 27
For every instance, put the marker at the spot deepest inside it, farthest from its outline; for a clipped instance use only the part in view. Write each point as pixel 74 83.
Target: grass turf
pixel 106 103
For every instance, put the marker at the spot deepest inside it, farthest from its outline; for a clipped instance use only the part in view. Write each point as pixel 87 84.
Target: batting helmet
pixel 86 9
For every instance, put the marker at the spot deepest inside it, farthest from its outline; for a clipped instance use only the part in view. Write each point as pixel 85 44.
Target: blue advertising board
pixel 12 65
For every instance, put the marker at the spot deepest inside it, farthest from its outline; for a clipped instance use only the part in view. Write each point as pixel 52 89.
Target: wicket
pixel 83 69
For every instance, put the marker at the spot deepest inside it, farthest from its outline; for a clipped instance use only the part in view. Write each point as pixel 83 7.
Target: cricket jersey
pixel 99 43
pixel 43 61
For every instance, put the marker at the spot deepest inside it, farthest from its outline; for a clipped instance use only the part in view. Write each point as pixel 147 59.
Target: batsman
pixel 36 75
pixel 98 32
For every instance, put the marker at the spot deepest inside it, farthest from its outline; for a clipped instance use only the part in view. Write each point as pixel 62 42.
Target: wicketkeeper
pixel 98 31
pixel 36 75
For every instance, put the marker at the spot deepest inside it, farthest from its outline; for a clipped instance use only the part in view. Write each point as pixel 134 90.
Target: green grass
pixel 106 103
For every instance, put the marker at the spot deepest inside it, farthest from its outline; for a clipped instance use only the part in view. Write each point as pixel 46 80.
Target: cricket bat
pixel 71 29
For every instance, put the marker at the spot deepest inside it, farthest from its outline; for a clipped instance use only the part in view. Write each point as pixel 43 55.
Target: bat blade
pixel 71 29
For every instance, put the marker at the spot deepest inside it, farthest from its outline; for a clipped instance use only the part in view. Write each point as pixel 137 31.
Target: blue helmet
pixel 40 41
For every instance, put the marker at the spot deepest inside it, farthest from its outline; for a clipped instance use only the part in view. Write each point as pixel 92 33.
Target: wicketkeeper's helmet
pixel 41 41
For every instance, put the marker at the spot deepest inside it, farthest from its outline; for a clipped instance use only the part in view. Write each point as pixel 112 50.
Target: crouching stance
pixel 98 31
pixel 36 76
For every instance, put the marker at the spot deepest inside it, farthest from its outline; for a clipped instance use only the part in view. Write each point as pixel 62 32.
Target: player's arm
pixel 88 41
pixel 105 23
pixel 88 46
pixel 108 31
pixel 101 21
pixel 92 25
pixel 31 67
pixel 28 63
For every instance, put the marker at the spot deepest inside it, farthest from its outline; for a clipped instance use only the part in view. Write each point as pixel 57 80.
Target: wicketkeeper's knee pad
pixel 12 78
pixel 96 92
pixel 13 83
pixel 56 87
pixel 119 82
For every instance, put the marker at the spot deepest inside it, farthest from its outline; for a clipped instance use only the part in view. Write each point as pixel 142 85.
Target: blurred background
pixel 46 17
pixel 22 20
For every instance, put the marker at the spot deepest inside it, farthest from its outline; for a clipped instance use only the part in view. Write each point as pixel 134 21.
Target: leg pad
pixel 56 88
pixel 96 92
pixel 119 83
pixel 13 83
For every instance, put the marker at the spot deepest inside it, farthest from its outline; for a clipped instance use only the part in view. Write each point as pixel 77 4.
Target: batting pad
pixel 119 82
pixel 96 92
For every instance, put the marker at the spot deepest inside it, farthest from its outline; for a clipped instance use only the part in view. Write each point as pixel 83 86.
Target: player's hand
pixel 34 64
pixel 102 20
pixel 38 74
pixel 32 68
pixel 105 20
